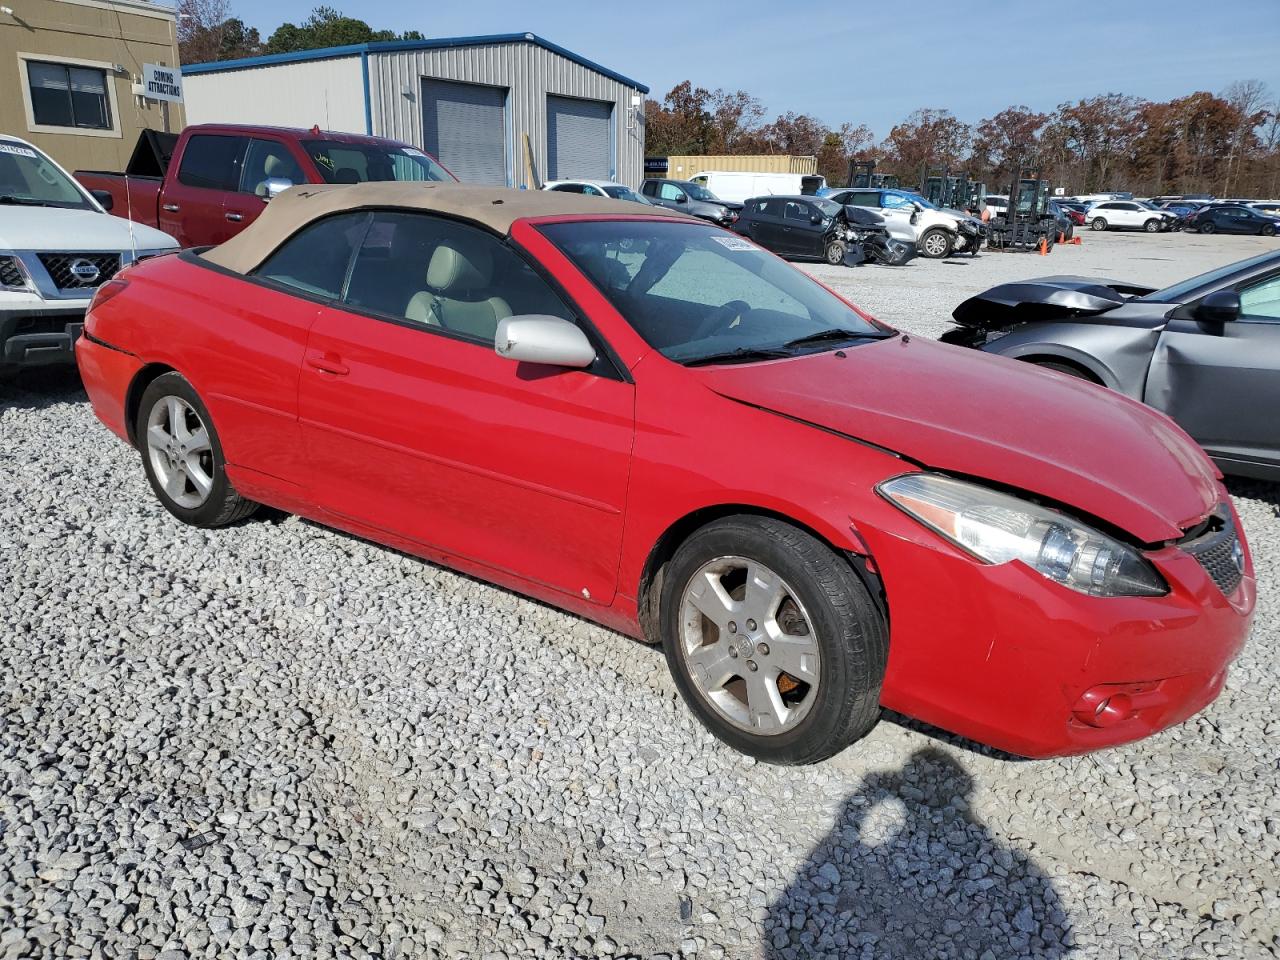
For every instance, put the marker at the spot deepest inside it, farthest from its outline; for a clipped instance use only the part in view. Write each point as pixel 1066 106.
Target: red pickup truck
pixel 208 183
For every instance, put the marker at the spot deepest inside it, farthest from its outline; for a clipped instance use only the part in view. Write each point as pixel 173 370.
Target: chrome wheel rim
pixel 180 451
pixel 935 244
pixel 835 253
pixel 749 646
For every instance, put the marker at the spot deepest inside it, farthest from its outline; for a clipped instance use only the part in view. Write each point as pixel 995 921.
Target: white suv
pixel 937 233
pixel 1129 214
pixel 57 246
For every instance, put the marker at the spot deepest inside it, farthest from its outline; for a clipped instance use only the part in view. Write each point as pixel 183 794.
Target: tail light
pixel 108 291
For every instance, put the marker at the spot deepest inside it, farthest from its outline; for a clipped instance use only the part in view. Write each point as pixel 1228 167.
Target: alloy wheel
pixel 180 451
pixel 935 244
pixel 749 646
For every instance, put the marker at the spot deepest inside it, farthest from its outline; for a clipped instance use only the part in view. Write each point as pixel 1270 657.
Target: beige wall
pixel 98 33
pixel 684 167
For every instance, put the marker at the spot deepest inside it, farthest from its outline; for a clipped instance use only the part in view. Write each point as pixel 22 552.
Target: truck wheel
pixel 183 457
pixel 1098 223
pixel 1152 226
pixel 935 243
pixel 835 253
pixel 773 640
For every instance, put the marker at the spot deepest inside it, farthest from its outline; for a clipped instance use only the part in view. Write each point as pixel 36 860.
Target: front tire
pixel 773 640
pixel 935 244
pixel 835 252
pixel 1098 223
pixel 1152 226
pixel 183 457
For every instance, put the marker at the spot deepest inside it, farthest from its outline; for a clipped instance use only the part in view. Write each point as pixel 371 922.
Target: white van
pixel 738 187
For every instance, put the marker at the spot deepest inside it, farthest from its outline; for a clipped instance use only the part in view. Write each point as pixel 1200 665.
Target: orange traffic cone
pixel 1044 247
pixel 1075 241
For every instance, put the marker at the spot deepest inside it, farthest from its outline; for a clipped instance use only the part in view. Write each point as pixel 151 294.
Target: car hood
pixel 988 417
pixel 56 228
pixel 1045 298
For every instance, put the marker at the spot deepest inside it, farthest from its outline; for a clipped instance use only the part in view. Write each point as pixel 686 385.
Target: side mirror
pixel 535 338
pixel 681 198
pixel 276 186
pixel 1218 308
pixel 104 198
pixel 815 218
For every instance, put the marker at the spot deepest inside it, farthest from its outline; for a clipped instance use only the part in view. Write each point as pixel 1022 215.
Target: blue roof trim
pixel 393 46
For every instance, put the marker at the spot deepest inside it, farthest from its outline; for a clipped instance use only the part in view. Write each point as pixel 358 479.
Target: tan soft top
pixel 493 207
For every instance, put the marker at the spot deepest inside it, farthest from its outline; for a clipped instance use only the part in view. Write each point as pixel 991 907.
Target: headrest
pixel 272 166
pixel 458 266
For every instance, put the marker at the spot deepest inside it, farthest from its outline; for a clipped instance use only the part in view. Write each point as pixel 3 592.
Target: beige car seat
pixel 459 276
pixel 272 168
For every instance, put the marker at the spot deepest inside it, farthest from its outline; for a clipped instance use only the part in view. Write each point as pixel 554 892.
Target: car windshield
pixel 699 192
pixel 1146 204
pixel 700 295
pixel 29 178
pixel 619 192
pixel 360 162
pixel 829 208
pixel 1187 289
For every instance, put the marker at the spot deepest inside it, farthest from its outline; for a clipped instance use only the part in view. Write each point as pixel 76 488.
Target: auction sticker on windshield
pixel 734 243
pixel 16 150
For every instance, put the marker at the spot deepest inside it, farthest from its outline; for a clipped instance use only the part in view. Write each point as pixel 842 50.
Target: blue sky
pixel 880 60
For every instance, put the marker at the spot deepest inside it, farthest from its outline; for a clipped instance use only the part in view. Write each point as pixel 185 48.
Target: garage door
pixel 578 142
pixel 464 126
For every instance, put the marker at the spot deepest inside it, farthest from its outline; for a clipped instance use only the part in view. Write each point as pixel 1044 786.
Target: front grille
pixel 11 273
pixel 1219 551
pixel 70 271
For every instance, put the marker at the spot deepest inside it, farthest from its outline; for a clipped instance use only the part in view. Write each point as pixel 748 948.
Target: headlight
pixel 998 528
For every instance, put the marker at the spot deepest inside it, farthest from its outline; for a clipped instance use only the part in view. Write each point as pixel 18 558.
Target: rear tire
pixel 835 252
pixel 1098 223
pixel 1207 227
pixel 935 243
pixel 1268 230
pixel 807 607
pixel 183 457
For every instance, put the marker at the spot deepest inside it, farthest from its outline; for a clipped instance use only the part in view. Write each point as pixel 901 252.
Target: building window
pixel 68 96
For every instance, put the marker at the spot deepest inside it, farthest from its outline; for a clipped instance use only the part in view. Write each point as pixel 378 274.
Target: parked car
pixel 208 183
pixel 814 228
pixel 597 188
pixel 1205 351
pixel 1062 217
pixel 1182 209
pixel 691 198
pixel 577 400
pixel 1074 211
pixel 937 233
pixel 57 246
pixel 1266 206
pixel 739 187
pixel 1233 219
pixel 1128 215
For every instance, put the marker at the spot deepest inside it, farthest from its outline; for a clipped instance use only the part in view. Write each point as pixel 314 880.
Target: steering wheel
pixel 721 316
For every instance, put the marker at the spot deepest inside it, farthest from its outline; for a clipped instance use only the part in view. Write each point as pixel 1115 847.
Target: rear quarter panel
pixel 240 344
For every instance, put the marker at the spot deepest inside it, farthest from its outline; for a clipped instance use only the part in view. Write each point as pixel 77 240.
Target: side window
pixel 212 162
pixel 650 188
pixel 796 211
pixel 567 188
pixel 445 275
pixel 768 208
pixel 864 198
pixel 1108 206
pixel 1261 301
pixel 315 259
pixel 669 191
pixel 895 202
pixel 268 160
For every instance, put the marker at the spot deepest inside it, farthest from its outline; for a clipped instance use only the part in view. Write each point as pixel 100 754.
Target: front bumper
pixel 1001 655
pixel 40 336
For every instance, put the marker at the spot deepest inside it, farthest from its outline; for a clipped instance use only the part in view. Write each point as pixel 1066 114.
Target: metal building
pixel 469 101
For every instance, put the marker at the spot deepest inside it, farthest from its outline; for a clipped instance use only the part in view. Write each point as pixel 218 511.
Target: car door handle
pixel 170 208
pixel 235 217
pixel 329 364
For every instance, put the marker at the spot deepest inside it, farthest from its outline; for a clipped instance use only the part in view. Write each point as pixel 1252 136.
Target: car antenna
pixel 128 203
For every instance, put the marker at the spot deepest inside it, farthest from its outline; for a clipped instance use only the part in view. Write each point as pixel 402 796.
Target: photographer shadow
pixel 908 871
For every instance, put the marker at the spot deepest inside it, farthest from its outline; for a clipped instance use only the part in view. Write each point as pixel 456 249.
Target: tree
pixel 206 32
pixel 326 27
pixel 929 137
pixel 1009 139
pixel 1101 131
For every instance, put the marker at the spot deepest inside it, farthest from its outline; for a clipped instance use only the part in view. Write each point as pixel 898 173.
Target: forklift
pixel 862 175
pixel 1027 221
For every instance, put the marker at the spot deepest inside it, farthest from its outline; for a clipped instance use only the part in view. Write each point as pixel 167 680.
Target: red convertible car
pixel 653 423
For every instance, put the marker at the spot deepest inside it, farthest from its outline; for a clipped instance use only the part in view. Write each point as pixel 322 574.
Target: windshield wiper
pixel 740 355
pixel 23 201
pixel 836 333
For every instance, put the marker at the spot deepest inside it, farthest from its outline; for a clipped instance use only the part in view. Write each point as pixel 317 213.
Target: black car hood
pixel 1047 298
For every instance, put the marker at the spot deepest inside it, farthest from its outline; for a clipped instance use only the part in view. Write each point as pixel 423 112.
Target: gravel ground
pixel 276 740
